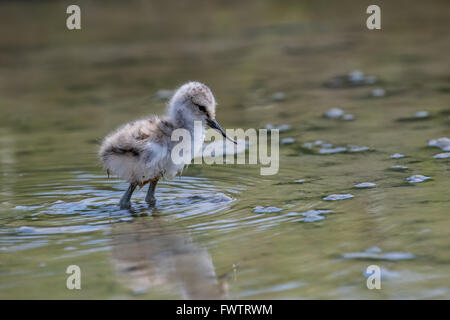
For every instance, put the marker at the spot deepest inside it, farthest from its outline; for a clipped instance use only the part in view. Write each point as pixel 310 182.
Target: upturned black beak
pixel 215 125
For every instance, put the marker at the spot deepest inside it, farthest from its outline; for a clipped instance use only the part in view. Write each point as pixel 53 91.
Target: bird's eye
pixel 202 108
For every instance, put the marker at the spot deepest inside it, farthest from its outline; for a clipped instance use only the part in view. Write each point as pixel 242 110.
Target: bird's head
pixel 194 101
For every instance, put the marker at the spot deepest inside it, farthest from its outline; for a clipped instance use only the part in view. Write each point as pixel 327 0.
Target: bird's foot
pixel 125 205
pixel 125 200
pixel 151 201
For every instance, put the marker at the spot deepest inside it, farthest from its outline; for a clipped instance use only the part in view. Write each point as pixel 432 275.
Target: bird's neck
pixel 196 128
pixel 181 121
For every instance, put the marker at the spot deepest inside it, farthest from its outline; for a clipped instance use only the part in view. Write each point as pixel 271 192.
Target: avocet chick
pixel 140 151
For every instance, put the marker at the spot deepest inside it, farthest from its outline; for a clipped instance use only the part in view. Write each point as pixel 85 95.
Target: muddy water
pixel 336 206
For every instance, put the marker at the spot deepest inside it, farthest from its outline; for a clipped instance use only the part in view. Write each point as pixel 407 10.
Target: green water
pixel 61 91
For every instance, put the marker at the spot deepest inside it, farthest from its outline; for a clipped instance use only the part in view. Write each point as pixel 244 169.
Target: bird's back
pixel 130 151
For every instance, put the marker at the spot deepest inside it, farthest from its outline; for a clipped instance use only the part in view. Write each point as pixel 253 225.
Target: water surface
pixel 225 231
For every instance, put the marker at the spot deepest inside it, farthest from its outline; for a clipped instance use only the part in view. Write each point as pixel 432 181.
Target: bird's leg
pixel 125 200
pixel 150 197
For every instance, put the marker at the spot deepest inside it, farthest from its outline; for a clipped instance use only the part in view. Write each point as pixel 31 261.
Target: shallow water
pixel 225 231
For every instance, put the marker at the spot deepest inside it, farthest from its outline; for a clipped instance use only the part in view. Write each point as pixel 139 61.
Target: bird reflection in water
pixel 152 255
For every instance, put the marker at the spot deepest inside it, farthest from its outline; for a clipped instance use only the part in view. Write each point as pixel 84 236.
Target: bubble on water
pixel 261 209
pixel 287 141
pixel 332 150
pixel 417 178
pixel 365 185
pixel 384 273
pixel 356 76
pixel 443 143
pixel 334 113
pixel 378 92
pixel 394 256
pixel 348 117
pixel 278 96
pixel 390 256
pixel 334 197
pixel 281 127
pixel 310 213
pixel 421 114
pixel 444 155
pixel 352 79
pixel 397 156
pixel 299 181
pixel 313 218
pixel 312 144
pixel 284 127
pixel 353 148
pixel 398 167
pixel 327 148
